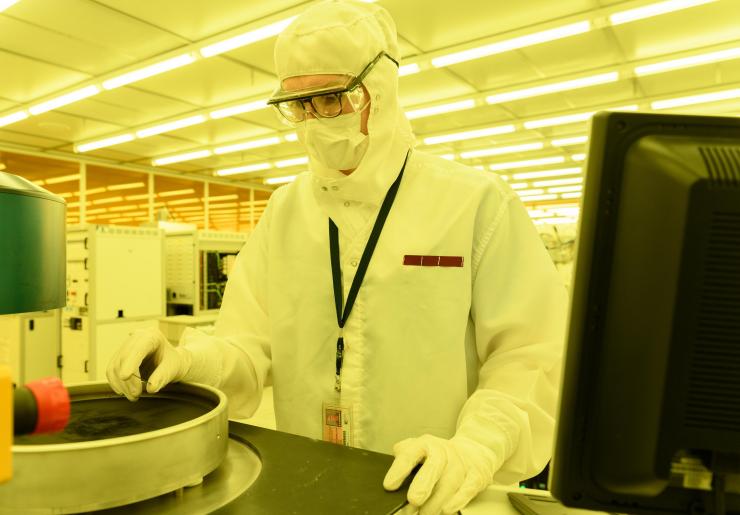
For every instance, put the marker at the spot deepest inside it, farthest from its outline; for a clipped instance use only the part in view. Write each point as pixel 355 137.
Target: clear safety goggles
pixel 328 101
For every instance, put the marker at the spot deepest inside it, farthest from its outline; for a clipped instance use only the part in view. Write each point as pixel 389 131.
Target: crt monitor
pixel 649 417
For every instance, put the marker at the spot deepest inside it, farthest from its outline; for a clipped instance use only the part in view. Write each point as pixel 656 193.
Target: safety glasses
pixel 328 101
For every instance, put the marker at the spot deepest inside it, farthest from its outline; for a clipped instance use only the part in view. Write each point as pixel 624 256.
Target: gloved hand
pixel 454 471
pixel 150 356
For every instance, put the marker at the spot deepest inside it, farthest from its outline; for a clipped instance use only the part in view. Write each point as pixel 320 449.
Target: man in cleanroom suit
pixel 450 354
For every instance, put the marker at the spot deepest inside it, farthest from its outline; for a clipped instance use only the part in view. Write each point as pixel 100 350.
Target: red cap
pixel 52 402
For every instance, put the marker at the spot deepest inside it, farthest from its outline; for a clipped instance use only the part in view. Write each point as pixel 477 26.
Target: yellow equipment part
pixel 6 423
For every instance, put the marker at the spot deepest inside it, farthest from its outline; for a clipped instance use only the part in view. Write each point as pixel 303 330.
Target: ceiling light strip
pixel 716 96
pixel 63 100
pixel 526 147
pixel 478 133
pixel 656 9
pixel 107 142
pixel 189 156
pixel 171 126
pixel 246 38
pixel 583 82
pixel 149 71
pixel 439 109
pixel 687 62
pixel 13 117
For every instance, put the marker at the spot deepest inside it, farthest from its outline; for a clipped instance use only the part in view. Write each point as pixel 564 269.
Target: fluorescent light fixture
pixel 120 220
pixel 558 182
pixel 686 62
pixel 538 198
pixel 564 142
pixel 247 145
pixel 716 96
pixel 149 71
pixel 555 87
pixel 175 193
pixel 246 39
pixel 171 126
pixel 572 195
pixel 137 197
pixel 12 118
pixel 578 157
pixel 4 4
pixel 526 193
pixel 291 136
pixel 182 201
pixel 40 182
pixel 107 142
pixel 547 173
pixel 292 162
pixel 526 147
pixel 242 169
pixel 555 220
pixel 559 120
pixel 565 189
pixel 239 109
pixel 63 178
pixel 198 154
pixel 108 200
pixel 95 211
pixel 460 136
pixel 93 191
pixel 408 69
pixel 512 44
pixel 223 197
pixel 64 100
pixel 449 157
pixel 655 9
pixel 439 109
pixel 280 180
pixel 519 186
pixel 190 208
pixel 127 186
pixel 528 163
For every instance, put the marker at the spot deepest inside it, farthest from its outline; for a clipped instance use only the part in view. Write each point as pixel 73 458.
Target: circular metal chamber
pixel 115 452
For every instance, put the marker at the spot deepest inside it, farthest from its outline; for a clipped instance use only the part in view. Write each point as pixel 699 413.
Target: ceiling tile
pixel 33 79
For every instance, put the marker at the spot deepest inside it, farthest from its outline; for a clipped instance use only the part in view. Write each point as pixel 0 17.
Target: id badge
pixel 337 423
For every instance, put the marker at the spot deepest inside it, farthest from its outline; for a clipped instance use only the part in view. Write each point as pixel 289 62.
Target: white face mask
pixel 337 143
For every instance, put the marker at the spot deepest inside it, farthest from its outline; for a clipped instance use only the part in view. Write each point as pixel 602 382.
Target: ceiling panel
pixel 677 81
pixel 498 71
pixel 567 55
pixel 431 86
pixel 58 125
pixel 32 79
pixel 32 140
pixel 98 26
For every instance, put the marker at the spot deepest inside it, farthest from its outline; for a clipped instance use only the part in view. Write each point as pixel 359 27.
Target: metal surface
pixel 115 452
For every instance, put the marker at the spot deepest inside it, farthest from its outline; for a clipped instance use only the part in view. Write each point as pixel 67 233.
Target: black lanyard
pixel 336 269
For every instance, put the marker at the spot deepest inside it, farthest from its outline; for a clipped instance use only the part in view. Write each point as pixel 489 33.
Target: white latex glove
pixel 454 471
pixel 148 355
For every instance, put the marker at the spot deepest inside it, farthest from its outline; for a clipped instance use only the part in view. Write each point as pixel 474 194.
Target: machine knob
pixel 40 406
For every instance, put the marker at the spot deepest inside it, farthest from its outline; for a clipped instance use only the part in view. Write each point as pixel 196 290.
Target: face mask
pixel 337 143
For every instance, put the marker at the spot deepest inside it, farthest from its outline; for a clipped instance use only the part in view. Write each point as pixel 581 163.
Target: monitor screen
pixel 649 417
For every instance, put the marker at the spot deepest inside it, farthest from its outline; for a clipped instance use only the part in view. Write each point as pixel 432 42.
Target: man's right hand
pixel 147 356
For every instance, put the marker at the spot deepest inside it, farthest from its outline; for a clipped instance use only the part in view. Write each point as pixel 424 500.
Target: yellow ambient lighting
pixel 280 180
pixel 242 169
pixel 656 9
pixel 717 96
pixel 564 142
pixel 502 150
pixel 546 173
pixel 558 182
pixel 245 39
pixel 120 220
pixel 291 136
pixel 565 189
pixel 175 193
pixel 555 220
pixel 439 109
pixel 107 142
pixel 127 186
pixel 527 163
pixel 408 69
pixel 247 145
pixel 545 89
pixel 512 44
pixel 95 211
pixel 4 4
pixel 558 120
pixel 182 201
pixel 527 193
pixel 538 198
pixel 149 71
pixel 171 126
pixel 460 136
pixel 191 208
pixel 578 157
pixel 239 109
pixel 137 197
pixel 64 100
pixel 199 154
pixel 223 197
pixel 449 157
pixel 63 178
pixel 93 191
pixel 12 118
pixel 572 195
pixel 108 200
pixel 292 162
pixel 519 186
pixel 686 62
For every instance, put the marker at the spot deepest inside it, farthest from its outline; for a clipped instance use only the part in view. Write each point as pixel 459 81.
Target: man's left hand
pixel 453 472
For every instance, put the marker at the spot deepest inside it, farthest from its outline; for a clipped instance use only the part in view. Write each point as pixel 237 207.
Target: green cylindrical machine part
pixel 32 247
